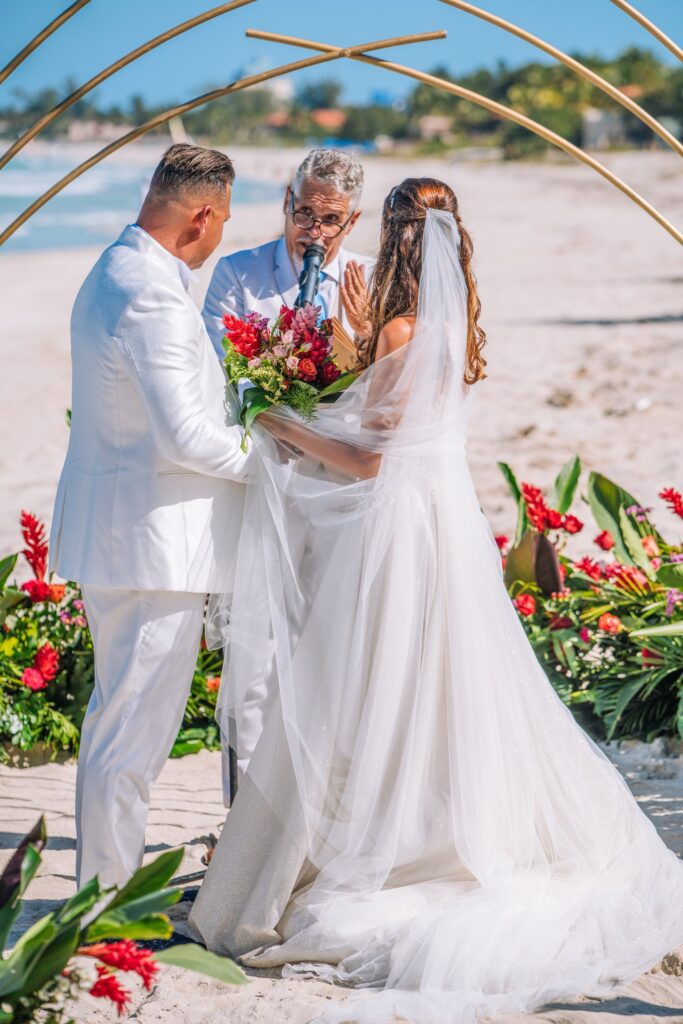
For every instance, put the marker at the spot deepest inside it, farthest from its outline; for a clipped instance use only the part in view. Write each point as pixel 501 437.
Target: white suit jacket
pixel 148 498
pixel 262 279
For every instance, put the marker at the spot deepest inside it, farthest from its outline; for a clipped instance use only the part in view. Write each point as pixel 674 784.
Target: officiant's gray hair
pixel 333 167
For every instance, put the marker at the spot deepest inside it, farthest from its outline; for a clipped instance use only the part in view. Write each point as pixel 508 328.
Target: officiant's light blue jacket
pixel 263 279
pixel 149 497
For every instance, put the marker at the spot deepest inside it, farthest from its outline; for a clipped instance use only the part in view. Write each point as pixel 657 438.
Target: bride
pixel 422 819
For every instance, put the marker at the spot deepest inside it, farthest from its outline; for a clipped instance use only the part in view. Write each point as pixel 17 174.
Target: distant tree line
pixel 548 92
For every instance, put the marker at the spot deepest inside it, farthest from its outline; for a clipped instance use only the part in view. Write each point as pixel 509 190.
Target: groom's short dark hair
pixel 185 169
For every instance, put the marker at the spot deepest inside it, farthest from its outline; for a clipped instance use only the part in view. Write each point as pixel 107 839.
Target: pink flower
pixel 584 634
pixel 650 546
pixel 32 678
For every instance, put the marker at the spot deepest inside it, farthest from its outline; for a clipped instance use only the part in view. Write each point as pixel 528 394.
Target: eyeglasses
pixel 328 228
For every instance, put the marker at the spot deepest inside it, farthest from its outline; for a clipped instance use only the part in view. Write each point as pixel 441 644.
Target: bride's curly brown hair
pixel 396 277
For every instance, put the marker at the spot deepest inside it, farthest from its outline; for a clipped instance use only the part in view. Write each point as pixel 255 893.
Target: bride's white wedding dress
pixel 423 818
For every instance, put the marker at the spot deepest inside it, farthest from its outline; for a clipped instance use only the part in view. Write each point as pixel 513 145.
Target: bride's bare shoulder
pixel 395 335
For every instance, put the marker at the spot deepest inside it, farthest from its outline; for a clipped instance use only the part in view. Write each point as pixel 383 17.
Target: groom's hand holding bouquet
pixel 284 362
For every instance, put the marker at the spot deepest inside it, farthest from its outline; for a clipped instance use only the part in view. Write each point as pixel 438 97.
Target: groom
pixel 148 507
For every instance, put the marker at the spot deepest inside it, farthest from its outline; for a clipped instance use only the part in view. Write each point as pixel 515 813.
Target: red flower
pixel 561 622
pixel 650 657
pixel 35 552
pixel 589 568
pixel 37 590
pixel 536 509
pixel 604 540
pixel 610 623
pixel 584 634
pixel 502 542
pixel 286 317
pixel 554 518
pixel 46 662
pixel 307 370
pixel 244 337
pixel 213 684
pixel 525 604
pixel 674 500
pixel 329 373
pixel 108 986
pixel 125 955
pixel 572 525
pixel 627 577
pixel 32 678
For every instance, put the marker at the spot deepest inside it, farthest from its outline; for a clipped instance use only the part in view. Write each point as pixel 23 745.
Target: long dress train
pixel 423 818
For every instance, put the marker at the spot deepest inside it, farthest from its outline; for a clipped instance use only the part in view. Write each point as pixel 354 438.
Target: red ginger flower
pixel 589 568
pixel 536 509
pixel 604 540
pixel 125 955
pixel 37 590
pixel 502 541
pixel 108 986
pixel 674 500
pixel 32 678
pixel 244 337
pixel 46 662
pixel 554 518
pixel 572 525
pixel 35 552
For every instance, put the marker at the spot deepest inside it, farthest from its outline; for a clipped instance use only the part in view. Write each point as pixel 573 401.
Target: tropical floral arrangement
pixel 90 940
pixel 47 666
pixel 607 627
pixel 284 362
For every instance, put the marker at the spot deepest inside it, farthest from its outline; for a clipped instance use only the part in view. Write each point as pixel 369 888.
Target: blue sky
pixel 209 55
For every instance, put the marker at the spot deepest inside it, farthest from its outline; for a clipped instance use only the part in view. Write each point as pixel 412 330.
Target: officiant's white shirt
pixel 265 278
pixel 148 498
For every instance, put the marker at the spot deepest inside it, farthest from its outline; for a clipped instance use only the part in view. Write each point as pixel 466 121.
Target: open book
pixel 344 351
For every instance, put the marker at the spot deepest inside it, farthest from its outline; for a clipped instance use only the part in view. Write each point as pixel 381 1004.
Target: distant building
pixel 94 131
pixel 435 126
pixel 329 119
pixel 602 129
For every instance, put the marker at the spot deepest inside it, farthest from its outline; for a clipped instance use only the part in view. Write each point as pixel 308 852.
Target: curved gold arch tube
pixel 496 108
pixel 331 53
pixel 27 50
pixel 575 65
pixel 650 26
pixel 47 119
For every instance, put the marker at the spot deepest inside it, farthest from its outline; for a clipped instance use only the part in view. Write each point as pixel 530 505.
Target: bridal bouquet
pixel 287 361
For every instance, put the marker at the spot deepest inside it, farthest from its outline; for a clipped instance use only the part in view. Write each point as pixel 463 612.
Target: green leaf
pixel 23 864
pixel 149 879
pixel 156 926
pixel 52 959
pixel 634 544
pixel 522 521
pixel 194 958
pixel 668 629
pixel 605 499
pixel 511 480
pixel 11 599
pixel 519 564
pixel 81 903
pixel 15 970
pixel 671 575
pixel 628 692
pixel 115 922
pixel 340 384
pixel 255 402
pixel 562 493
pixel 6 567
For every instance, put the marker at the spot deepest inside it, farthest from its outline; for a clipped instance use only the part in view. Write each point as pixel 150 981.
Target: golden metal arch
pixel 575 65
pixel 329 54
pixel 27 50
pixel 140 51
pixel 650 26
pixel 507 113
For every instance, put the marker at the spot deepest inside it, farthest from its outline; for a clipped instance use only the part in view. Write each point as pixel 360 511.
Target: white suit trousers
pixel 146 645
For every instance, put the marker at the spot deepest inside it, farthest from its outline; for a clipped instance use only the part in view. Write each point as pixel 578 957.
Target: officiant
pixel 321 207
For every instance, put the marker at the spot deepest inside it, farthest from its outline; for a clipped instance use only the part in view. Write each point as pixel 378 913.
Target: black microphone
pixel 308 280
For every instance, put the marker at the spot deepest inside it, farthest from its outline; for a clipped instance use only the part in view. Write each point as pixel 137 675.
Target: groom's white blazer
pixel 264 279
pixel 147 498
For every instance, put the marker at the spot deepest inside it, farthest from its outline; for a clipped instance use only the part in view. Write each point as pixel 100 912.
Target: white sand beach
pixel 582 302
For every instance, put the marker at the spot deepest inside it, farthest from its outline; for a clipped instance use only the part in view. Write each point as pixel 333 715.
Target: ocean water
pixel 91 210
